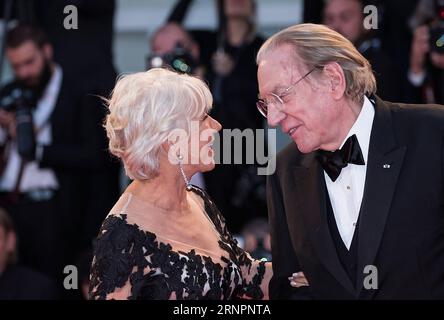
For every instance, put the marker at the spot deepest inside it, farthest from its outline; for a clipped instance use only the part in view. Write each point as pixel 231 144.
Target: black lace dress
pixel 136 264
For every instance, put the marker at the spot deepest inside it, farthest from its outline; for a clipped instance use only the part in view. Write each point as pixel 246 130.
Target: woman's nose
pixel 215 124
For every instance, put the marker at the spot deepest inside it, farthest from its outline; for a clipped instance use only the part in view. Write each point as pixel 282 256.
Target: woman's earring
pixel 187 182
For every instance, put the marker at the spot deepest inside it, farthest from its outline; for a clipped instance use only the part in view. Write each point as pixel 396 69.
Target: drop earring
pixel 187 182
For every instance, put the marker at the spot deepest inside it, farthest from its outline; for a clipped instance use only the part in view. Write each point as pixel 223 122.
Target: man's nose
pixel 23 73
pixel 274 116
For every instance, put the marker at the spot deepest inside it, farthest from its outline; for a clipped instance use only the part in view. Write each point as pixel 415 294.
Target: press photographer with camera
pixel 347 17
pixel 426 71
pixel 172 46
pixel 51 139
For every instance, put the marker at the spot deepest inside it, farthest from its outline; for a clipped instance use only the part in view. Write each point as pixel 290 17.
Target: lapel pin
pixel 386 166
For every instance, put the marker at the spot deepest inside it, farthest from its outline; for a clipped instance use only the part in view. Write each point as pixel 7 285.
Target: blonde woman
pixel 164 238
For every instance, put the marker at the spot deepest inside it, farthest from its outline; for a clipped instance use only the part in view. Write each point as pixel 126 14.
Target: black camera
pixel 437 29
pixel 21 101
pixel 179 59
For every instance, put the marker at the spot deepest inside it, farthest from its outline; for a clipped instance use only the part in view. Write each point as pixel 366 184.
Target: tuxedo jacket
pixel 401 220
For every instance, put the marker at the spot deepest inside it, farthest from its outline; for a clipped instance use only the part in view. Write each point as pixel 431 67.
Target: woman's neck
pixel 167 192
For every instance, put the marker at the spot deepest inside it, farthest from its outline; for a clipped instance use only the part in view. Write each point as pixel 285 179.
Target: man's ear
pixel 336 80
pixel 48 51
pixel 11 241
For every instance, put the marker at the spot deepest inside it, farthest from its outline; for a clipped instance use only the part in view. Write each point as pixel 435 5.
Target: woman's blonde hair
pixel 144 109
pixel 317 45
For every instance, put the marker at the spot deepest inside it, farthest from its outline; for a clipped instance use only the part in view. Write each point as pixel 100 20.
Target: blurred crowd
pixel 57 180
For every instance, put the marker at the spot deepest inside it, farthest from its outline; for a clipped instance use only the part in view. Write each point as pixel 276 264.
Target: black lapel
pixel 311 201
pixel 385 160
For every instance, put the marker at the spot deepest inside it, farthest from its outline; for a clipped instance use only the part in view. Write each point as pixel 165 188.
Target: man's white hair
pixel 317 45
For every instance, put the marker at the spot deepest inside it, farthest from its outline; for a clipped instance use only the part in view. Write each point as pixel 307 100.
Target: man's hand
pixel 437 59
pixel 7 122
pixel 419 50
pixel 298 280
pixel 223 64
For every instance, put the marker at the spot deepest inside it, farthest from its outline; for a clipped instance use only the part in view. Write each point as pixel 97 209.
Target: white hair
pixel 317 45
pixel 144 109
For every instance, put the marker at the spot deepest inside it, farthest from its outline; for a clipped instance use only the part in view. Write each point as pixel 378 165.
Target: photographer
pixel 347 18
pixel 256 238
pixel 426 71
pixel 52 141
pixel 172 46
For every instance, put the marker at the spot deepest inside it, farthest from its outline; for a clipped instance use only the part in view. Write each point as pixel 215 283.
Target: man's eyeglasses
pixel 277 100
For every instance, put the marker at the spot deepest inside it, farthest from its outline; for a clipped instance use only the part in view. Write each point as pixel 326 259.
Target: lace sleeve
pixel 119 269
pixel 256 274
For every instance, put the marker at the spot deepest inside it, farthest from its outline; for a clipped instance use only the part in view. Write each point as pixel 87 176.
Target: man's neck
pixel 346 119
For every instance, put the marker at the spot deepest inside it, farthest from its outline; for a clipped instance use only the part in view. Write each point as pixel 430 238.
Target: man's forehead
pixel 23 52
pixel 25 47
pixel 280 52
pixel 277 69
pixel 282 57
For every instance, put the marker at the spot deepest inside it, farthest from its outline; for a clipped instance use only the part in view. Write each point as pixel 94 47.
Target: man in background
pixel 347 18
pixel 17 282
pixel 47 190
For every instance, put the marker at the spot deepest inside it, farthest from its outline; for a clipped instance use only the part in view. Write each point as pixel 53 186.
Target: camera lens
pixel 181 66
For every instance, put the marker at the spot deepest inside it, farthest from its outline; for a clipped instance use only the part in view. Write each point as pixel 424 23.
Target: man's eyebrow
pixel 279 88
pixel 275 90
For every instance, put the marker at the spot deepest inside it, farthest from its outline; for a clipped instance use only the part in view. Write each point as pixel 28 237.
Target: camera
pixel 179 59
pixel 21 100
pixel 437 30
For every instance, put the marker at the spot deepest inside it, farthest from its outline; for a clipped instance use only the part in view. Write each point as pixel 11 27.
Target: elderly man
pixel 356 203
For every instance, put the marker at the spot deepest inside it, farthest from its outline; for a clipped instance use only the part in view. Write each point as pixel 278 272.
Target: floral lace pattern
pixel 124 253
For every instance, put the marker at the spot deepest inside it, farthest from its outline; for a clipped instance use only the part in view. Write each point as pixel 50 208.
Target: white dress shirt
pixel 35 177
pixel 347 191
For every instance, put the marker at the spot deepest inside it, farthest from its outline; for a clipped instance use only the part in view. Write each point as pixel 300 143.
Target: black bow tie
pixel 334 162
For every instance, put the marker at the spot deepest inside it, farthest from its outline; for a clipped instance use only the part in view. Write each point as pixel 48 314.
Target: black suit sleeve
pixel 179 11
pixel 284 260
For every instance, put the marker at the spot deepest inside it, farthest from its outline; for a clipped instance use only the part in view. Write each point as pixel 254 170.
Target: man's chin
pixel 30 84
pixel 303 147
